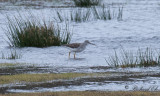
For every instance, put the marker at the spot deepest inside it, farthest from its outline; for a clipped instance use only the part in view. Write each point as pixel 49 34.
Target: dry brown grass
pixel 87 93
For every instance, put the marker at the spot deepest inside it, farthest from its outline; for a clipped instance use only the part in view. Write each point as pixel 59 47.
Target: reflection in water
pixel 77 59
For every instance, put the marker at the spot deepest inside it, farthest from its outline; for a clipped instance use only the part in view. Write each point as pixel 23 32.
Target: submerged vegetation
pixel 32 33
pixel 12 55
pixel 142 58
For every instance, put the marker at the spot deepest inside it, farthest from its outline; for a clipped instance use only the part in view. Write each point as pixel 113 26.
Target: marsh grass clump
pixel 105 13
pixel 32 33
pixel 80 15
pixel 148 58
pixel 142 58
pixel 86 3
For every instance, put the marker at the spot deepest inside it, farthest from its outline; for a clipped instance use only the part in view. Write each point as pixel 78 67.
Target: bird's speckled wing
pixel 73 45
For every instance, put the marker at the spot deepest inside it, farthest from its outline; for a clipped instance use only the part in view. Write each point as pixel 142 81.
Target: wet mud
pixel 119 77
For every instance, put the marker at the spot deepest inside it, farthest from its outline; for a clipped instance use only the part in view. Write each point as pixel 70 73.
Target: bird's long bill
pixel 92 43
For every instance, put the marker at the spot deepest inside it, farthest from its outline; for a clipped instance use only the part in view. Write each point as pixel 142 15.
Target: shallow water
pixel 138 29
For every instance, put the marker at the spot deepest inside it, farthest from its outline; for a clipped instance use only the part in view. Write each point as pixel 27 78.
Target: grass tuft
pixel 27 33
pixel 104 13
pixel 76 15
pixel 143 58
pixel 86 3
pixel 80 15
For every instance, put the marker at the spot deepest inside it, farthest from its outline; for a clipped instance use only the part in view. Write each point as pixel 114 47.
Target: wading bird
pixel 78 47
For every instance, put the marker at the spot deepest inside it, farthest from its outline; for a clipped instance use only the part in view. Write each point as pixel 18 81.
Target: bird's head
pixel 86 41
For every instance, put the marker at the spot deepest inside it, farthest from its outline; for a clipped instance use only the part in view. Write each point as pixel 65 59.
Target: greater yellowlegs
pixel 78 47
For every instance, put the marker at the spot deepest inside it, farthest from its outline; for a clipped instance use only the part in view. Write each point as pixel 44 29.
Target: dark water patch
pixel 51 69
pixel 23 69
pixel 100 67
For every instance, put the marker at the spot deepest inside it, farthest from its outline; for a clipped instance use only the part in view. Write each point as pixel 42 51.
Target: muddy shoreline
pixel 79 81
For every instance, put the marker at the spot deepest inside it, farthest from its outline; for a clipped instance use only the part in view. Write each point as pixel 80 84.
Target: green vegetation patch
pixel 31 78
pixel 5 79
pixel 8 64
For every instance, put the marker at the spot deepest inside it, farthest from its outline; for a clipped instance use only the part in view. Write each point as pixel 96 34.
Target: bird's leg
pixel 74 55
pixel 69 54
